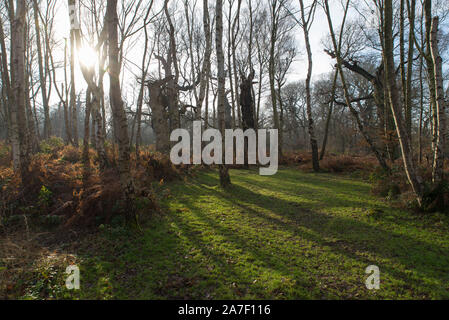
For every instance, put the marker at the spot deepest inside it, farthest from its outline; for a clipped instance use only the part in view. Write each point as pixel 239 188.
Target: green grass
pixel 290 236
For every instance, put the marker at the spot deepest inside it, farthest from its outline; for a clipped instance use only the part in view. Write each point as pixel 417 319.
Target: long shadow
pixel 265 258
pixel 227 270
pixel 343 197
pixel 396 244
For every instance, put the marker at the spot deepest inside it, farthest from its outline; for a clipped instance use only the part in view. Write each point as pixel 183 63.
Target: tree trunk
pixel 205 71
pixel 159 116
pixel 42 73
pixel 172 91
pixel 68 130
pixel 413 176
pixel 427 6
pixel 438 165
pixel 329 116
pixel 361 127
pixel 408 84
pixel 72 107
pixel 225 180
pixel 85 155
pixel 313 140
pixel 18 66
pixel 13 129
pixel 272 71
pixel 118 112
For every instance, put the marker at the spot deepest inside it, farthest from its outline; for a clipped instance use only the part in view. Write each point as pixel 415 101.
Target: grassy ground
pixel 291 236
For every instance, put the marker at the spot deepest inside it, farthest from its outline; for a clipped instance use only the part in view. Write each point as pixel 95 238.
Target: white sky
pixel 321 61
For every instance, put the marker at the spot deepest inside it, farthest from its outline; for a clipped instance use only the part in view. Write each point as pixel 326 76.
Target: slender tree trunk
pixel 42 73
pixel 73 108
pixel 13 129
pixel 313 141
pixel 421 111
pixel 438 165
pixel 85 155
pixel 408 121
pixel 408 84
pixel 329 116
pixel 68 130
pixel 427 6
pixel 100 139
pixel 235 31
pixel 225 180
pixel 18 67
pixel 118 112
pixel 231 67
pixel 173 83
pixel 205 70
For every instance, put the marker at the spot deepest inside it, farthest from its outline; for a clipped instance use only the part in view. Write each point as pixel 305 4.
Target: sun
pixel 88 57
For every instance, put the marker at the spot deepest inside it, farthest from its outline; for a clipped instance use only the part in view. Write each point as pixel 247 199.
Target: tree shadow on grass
pixel 242 282
pixel 262 234
pixel 339 194
pixel 354 239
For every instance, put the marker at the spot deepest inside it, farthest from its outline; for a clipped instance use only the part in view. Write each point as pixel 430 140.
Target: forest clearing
pixel 224 150
pixel 295 235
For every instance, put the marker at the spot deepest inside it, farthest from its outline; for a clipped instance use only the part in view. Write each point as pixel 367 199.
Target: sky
pixel 322 63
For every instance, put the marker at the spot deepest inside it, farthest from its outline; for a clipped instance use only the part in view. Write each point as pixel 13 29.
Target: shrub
pixel 338 164
pixel 50 145
pixel 70 153
pixel 45 196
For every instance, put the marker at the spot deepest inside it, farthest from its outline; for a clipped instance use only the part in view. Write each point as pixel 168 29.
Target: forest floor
pixel 294 235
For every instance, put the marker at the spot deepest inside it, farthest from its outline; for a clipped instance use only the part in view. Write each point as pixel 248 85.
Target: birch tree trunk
pixel 72 106
pixel 118 112
pixel 18 67
pixel 305 26
pixel 408 84
pixel 225 180
pixel 438 165
pixel 205 70
pixel 85 154
pixel 274 11
pixel 97 92
pixel 427 6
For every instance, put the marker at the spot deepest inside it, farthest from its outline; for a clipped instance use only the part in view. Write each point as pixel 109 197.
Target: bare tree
pixel 348 100
pixel 396 105
pixel 306 24
pixel 225 179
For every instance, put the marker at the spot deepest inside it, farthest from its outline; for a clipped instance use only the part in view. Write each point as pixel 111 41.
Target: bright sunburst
pixel 87 56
